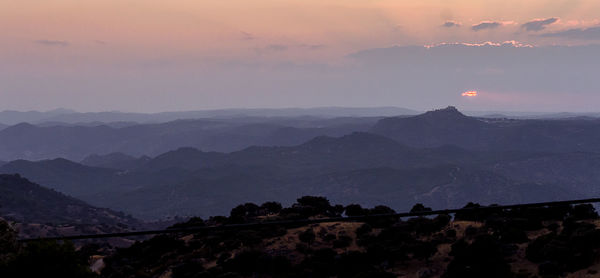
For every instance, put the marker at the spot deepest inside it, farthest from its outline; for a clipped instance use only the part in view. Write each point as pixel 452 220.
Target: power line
pixel 309 221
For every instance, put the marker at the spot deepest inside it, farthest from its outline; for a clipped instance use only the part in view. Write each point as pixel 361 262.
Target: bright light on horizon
pixel 469 94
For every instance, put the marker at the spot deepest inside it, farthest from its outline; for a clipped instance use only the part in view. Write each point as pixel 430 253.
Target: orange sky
pixel 266 29
pixel 136 55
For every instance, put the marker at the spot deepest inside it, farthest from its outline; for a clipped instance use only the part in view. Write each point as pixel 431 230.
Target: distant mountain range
pixel 432 129
pixel 441 158
pixel 26 141
pixel 9 117
pixel 71 117
pixel 121 119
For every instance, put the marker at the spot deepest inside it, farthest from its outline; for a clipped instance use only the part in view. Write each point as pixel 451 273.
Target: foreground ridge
pixel 314 221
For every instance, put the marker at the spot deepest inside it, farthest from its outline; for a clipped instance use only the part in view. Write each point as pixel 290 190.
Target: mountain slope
pixel 63 175
pixel 434 128
pixel 449 126
pixel 24 201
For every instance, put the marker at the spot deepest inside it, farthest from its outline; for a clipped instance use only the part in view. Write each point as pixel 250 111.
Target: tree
pixel 310 206
pixel 420 208
pixel 245 210
pixel 8 242
pixel 381 210
pixel 355 210
pixel 271 207
pixel 242 213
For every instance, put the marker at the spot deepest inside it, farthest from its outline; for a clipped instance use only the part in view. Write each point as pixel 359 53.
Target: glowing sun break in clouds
pixel 469 94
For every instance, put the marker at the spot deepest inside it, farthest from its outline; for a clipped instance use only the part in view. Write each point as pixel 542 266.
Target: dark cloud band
pixel 592 33
pixel 450 24
pixel 485 25
pixel 538 24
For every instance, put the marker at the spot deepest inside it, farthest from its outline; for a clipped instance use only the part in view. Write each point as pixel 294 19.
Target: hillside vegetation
pixel 41 212
pixel 535 242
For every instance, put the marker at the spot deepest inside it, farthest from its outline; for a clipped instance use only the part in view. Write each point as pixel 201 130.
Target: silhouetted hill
pixel 26 202
pixel 449 126
pixel 434 128
pixel 63 175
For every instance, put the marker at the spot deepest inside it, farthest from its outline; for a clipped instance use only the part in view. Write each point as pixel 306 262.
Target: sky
pixel 152 55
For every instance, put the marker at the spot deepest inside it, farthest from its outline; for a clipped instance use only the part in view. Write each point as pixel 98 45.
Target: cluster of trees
pixel 304 208
pixel 40 259
pixel 383 242
pixel 373 248
pixel 555 253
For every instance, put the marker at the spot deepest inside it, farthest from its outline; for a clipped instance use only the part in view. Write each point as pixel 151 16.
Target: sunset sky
pixel 149 55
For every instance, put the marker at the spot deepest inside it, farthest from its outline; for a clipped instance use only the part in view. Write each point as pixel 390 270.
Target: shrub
pixel 483 258
pixel 308 236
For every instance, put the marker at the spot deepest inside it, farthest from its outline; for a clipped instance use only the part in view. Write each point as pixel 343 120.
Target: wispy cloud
pixel 449 24
pixel 277 47
pixel 52 43
pixel 538 24
pixel 312 46
pixel 592 33
pixel 247 36
pixel 486 25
